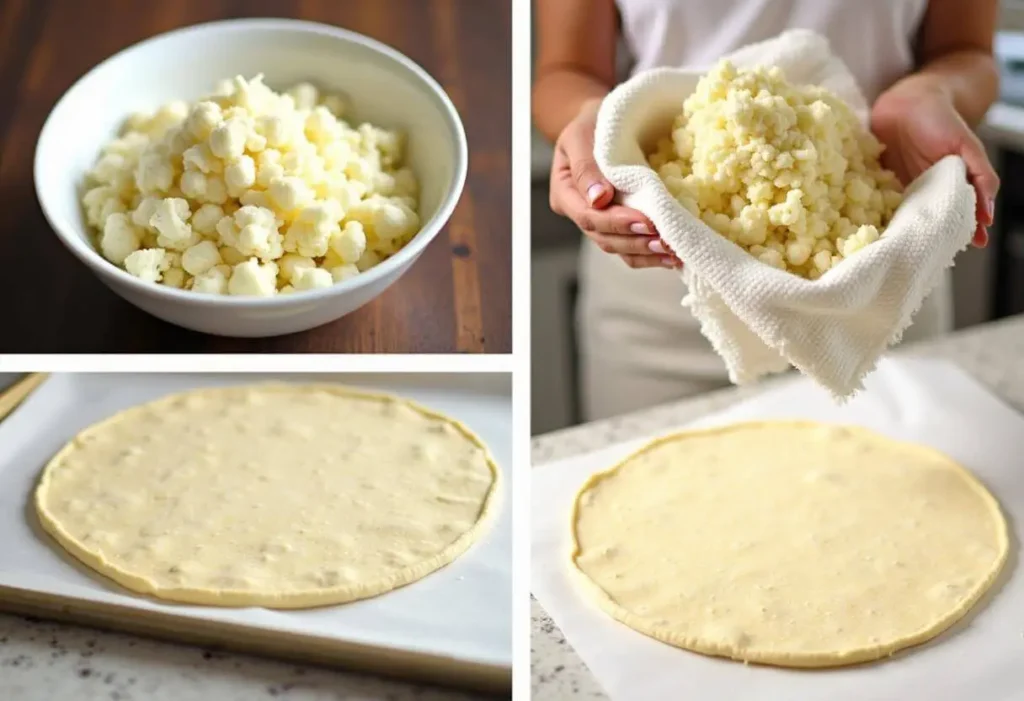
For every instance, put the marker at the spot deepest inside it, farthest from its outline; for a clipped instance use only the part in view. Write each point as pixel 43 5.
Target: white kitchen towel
pixel 760 319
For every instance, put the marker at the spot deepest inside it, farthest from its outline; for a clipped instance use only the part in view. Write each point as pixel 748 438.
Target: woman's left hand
pixel 919 126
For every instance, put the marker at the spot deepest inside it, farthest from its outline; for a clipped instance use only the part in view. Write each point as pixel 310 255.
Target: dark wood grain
pixel 457 298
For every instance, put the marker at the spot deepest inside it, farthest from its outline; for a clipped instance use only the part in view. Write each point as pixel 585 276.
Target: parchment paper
pixel 461 611
pixel 981 658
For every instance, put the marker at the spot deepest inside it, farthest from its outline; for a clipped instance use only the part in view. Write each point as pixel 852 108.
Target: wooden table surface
pixel 456 298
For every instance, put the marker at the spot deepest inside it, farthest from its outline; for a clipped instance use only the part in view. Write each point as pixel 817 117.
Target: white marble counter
pixel 992 353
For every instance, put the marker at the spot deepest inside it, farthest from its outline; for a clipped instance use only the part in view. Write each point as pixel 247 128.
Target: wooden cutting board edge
pixel 14 395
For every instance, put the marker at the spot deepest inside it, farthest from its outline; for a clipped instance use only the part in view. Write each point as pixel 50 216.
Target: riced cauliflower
pixel 785 171
pixel 251 192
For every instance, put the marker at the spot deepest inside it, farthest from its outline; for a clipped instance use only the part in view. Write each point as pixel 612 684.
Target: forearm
pixel 969 78
pixel 558 96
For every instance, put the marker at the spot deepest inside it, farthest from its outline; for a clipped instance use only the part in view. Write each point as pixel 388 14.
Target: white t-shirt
pixel 874 37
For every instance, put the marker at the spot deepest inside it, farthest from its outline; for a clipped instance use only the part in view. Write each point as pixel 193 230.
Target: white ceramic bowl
pixel 383 86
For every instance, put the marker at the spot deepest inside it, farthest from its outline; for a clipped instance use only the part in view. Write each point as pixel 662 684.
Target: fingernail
pixel 981 240
pixel 640 228
pixel 990 208
pixel 670 262
pixel 657 246
pixel 594 192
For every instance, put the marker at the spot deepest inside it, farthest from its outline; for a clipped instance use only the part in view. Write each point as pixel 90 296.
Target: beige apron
pixel 639 347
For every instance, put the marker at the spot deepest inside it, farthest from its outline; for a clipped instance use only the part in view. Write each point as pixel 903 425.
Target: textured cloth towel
pixel 760 319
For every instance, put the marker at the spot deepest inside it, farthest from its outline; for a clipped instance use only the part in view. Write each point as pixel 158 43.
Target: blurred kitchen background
pixel 988 283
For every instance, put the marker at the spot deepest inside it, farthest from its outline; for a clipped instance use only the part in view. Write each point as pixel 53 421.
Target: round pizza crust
pixel 790 543
pixel 278 495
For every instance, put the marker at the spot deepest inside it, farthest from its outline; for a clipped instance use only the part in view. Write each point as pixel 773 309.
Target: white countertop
pixel 992 353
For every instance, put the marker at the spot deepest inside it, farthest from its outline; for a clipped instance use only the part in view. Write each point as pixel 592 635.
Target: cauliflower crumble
pixel 785 171
pixel 251 192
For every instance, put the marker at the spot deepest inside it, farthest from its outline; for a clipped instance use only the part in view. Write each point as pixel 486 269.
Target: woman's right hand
pixel 581 193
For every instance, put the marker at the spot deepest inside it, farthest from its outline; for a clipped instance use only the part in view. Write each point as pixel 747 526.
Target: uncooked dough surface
pixel 788 543
pixel 282 496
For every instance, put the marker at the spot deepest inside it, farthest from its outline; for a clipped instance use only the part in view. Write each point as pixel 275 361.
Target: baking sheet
pixel 982 657
pixel 461 612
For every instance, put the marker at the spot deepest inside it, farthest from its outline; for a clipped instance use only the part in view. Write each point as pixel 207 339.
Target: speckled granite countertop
pixel 45 661
pixel 992 353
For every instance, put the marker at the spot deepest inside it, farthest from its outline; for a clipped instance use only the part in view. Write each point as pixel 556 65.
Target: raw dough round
pixel 282 496
pixel 787 543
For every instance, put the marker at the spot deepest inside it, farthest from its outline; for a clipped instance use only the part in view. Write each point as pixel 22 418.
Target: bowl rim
pixel 392 266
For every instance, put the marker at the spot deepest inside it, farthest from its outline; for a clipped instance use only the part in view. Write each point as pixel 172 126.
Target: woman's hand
pixel 919 125
pixel 581 193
